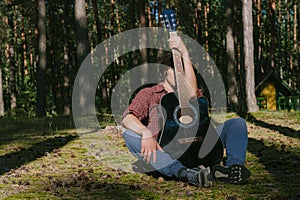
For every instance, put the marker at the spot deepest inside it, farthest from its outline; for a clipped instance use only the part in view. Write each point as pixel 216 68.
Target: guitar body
pixel 187 134
pixel 184 141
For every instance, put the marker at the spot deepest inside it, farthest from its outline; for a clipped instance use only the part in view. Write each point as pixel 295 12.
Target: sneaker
pixel 197 177
pixel 235 174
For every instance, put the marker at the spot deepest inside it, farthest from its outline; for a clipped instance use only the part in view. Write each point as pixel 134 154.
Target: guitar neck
pixel 181 83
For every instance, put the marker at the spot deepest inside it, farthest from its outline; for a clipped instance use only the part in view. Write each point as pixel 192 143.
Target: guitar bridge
pixel 190 139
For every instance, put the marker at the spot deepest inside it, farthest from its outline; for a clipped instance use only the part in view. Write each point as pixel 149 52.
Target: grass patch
pixel 47 159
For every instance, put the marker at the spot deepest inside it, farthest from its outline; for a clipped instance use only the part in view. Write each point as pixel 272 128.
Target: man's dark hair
pixel 167 59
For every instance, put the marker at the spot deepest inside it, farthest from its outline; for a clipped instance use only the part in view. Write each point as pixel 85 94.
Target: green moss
pixel 39 161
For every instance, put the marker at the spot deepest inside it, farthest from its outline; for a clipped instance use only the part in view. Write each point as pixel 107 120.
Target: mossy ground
pixel 46 159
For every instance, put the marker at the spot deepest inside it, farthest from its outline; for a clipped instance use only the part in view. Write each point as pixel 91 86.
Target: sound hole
pixel 185 117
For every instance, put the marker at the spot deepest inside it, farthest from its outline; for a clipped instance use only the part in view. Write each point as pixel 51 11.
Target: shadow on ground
pixel 23 156
pixel 282 164
pixel 287 131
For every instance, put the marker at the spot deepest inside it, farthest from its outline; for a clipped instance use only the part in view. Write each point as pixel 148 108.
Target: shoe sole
pixel 204 176
pixel 235 174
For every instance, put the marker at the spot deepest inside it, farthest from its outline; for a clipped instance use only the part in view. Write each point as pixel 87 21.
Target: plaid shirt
pixel 144 106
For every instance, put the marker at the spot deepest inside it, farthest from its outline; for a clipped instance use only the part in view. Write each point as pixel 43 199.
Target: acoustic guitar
pixel 186 123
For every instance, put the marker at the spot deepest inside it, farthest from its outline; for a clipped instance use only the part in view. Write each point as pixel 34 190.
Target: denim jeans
pixel 234 136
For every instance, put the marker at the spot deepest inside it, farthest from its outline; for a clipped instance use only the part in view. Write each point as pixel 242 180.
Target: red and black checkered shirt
pixel 144 106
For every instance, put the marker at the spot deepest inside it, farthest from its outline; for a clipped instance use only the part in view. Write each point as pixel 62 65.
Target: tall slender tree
pixel 1 88
pixel 206 12
pixel 231 60
pixel 67 66
pixel 248 59
pixel 10 54
pixel 199 21
pixel 41 67
pixel 83 48
pixel 97 21
pixel 258 38
pixel 272 18
pixel 295 63
pixel 298 51
pixel 2 35
pixel 81 27
pixel 143 23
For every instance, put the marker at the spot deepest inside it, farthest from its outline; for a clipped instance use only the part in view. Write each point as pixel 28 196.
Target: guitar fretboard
pixel 181 82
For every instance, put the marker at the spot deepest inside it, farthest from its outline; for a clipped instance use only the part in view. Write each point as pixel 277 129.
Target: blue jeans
pixel 234 136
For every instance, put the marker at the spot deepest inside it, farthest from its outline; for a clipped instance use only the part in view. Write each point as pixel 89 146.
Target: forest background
pixel 43 44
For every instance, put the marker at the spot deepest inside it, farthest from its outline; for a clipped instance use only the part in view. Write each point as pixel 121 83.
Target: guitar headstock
pixel 169 19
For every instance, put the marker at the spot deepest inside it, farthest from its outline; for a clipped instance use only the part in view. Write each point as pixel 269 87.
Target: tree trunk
pixel 83 48
pixel 12 78
pixel 1 88
pixel 286 44
pixel 67 67
pixel 279 35
pixel 272 18
pixel 41 68
pixel 97 21
pixel 289 43
pixel 131 11
pixel 83 44
pixel 143 23
pixel 24 68
pixel 259 36
pixel 298 64
pixel 10 55
pixel 231 60
pixel 206 11
pixel 160 37
pixel 52 58
pixel 295 63
pixel 248 50
pixel 199 20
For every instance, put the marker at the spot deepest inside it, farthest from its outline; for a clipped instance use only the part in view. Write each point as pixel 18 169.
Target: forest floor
pixel 47 159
